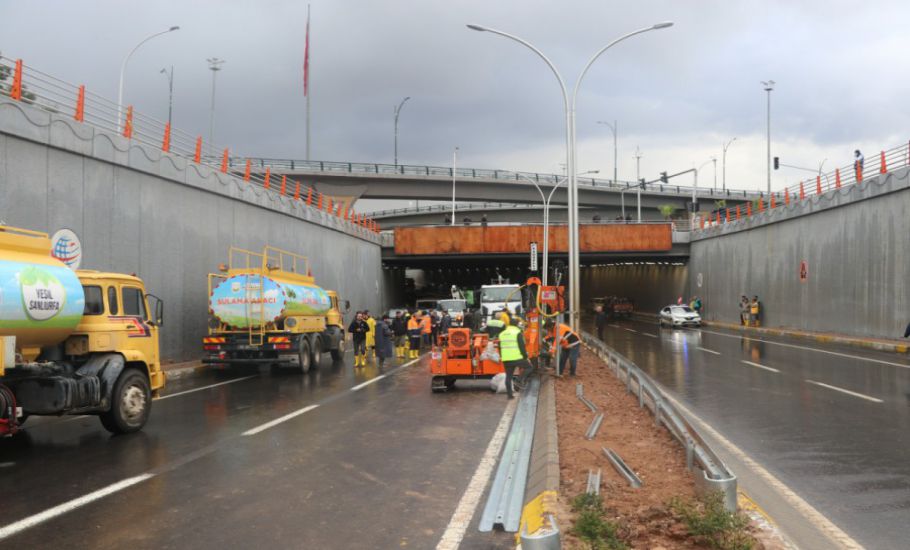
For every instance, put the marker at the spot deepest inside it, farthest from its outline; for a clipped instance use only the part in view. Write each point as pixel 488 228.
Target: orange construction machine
pixel 463 356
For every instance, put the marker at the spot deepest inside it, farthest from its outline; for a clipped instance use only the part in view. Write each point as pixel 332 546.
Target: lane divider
pixel 848 392
pixel 60 509
pixel 847 355
pixel 630 329
pixel 649 334
pixel 279 420
pixel 706 350
pixel 368 382
pixel 751 364
pixel 206 387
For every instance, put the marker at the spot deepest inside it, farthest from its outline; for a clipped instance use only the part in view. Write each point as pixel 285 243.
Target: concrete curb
pixel 867 343
pixel 177 371
pixel 542 489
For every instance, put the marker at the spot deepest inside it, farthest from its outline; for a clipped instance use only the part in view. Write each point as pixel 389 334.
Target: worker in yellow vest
pixel 414 336
pixel 371 336
pixel 513 353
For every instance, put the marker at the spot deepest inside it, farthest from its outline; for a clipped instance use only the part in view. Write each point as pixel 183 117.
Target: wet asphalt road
pixel 375 466
pixel 783 401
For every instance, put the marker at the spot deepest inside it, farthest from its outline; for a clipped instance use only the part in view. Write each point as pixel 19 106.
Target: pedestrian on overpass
pixel 359 329
pixel 414 331
pixel 858 161
pixel 371 336
pixel 514 354
pixel 400 331
pixel 384 339
pixel 600 321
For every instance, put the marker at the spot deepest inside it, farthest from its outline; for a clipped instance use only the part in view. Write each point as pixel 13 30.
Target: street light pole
pixel 714 160
pixel 123 71
pixel 571 158
pixel 613 127
pixel 637 180
pixel 215 66
pixel 726 146
pixel 769 86
pixel 454 161
pixel 170 97
pixel 398 112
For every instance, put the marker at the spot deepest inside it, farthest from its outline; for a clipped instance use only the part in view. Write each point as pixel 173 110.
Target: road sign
pixel 534 256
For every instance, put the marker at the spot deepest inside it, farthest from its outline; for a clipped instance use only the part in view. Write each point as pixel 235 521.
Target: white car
pixel 679 316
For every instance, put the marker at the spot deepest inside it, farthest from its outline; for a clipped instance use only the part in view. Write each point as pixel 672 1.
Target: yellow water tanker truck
pixel 73 342
pixel 265 308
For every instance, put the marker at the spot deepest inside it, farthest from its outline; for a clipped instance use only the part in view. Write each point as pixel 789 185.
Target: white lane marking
pixel 368 382
pixel 847 355
pixel 813 516
pixel 206 387
pixel 848 392
pixel 649 334
pixel 751 364
pixel 615 326
pixel 631 329
pixel 706 350
pixel 461 519
pixel 60 509
pixel 273 423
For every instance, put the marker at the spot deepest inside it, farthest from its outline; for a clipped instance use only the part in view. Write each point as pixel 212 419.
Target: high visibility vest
pixel 508 344
pixel 754 308
pixel 425 324
pixel 564 332
pixel 413 324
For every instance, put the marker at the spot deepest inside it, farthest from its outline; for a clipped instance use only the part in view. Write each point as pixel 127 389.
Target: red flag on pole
pixel 306 56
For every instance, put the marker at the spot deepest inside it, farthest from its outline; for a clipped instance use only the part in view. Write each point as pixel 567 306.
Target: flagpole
pixel 307 80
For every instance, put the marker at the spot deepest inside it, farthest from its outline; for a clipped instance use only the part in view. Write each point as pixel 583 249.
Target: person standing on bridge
pixel 513 354
pixel 858 161
pixel 400 330
pixel 414 330
pixel 359 329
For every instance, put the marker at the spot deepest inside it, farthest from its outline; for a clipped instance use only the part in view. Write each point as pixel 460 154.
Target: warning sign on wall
pixel 803 271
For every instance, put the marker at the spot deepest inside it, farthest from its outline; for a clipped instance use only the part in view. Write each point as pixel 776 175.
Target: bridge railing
pixel 334 167
pixel 823 183
pixel 31 86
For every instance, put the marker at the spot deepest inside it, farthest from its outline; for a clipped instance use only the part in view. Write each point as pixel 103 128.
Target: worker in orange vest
pixel 426 327
pixel 570 345
pixel 414 335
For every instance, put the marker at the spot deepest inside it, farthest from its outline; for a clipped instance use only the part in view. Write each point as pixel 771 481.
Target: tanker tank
pixel 242 300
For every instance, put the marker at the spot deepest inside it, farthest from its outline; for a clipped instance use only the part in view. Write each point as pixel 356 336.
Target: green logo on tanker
pixel 43 296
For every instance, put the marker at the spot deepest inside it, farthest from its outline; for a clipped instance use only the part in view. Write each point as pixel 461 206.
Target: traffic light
pixel 663 177
pixel 642 183
pixel 776 163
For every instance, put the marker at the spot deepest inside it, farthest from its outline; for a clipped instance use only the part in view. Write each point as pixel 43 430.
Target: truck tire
pixel 131 403
pixel 338 352
pixel 304 355
pixel 316 351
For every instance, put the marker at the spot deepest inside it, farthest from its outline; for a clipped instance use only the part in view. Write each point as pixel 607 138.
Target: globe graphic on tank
pixel 66 250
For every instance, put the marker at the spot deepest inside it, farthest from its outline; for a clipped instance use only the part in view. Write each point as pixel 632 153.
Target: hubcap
pixel 133 403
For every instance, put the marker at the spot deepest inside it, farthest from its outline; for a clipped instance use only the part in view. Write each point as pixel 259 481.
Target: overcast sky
pixel 677 93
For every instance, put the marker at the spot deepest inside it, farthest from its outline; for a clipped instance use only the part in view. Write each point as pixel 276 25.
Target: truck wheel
pixel 316 352
pixel 131 403
pixel 338 353
pixel 304 355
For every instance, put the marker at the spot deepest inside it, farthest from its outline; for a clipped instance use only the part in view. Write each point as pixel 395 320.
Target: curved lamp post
pixel 123 70
pixel 571 158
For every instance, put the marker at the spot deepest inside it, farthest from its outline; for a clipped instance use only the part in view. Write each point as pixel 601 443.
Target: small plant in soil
pixel 597 532
pixel 710 523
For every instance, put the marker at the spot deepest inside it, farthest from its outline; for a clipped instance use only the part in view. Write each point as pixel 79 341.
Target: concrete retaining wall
pixel 855 242
pixel 170 221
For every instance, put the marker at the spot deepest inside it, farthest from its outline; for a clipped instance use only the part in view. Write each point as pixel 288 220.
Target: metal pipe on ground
pixel 622 468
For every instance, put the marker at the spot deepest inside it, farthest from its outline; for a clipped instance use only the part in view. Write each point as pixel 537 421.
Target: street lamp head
pixel 477 28
pixel 769 85
pixel 174 28
pixel 662 25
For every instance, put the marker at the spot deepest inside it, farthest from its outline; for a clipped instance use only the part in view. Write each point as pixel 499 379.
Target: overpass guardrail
pixel 24 83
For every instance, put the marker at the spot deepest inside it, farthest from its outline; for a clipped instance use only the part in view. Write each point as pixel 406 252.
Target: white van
pixel 494 298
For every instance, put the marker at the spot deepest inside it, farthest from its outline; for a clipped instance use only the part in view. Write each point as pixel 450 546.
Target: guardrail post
pixel 884 167
pixel 786 197
pixel 738 216
pixel 198 156
pixel 296 190
pixel 268 175
pixel 80 105
pixel 225 160
pixel 818 185
pixel 802 190
pixel 837 178
pixel 319 202
pixel 246 172
pixel 309 197
pixel 749 209
pixel 727 212
pixel 773 202
pixel 16 91
pixel 284 184
pixel 859 172
pixel 761 205
pixel 128 123
pixel 166 141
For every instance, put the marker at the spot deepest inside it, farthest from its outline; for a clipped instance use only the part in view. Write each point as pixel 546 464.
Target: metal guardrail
pixel 823 184
pixel 33 87
pixel 506 497
pixel 709 471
